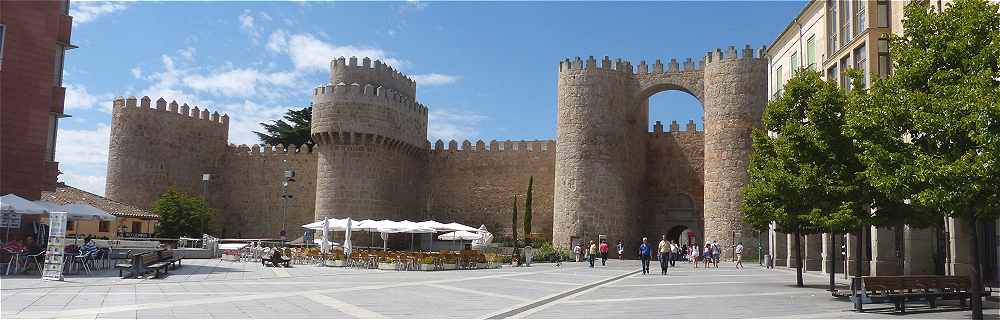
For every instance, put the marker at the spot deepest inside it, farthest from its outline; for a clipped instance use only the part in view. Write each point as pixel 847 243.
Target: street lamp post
pixel 204 195
pixel 289 177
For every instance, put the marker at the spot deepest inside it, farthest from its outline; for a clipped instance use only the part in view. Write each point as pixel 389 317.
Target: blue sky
pixel 485 70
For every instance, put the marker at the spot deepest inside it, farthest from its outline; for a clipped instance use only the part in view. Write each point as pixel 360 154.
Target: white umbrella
pixel 459 235
pixel 485 238
pixel 328 243
pixel 83 211
pixel 13 203
pixel 347 239
pixel 334 224
pixel 437 226
pixel 326 237
pixel 461 227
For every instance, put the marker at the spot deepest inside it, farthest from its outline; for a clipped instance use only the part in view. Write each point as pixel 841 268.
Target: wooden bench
pixel 156 261
pixel 901 289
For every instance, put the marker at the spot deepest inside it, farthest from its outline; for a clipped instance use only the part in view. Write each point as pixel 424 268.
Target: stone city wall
pixel 252 178
pixel 674 193
pixel 476 184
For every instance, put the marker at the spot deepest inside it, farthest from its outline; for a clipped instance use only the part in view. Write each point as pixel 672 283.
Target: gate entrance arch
pixel 603 143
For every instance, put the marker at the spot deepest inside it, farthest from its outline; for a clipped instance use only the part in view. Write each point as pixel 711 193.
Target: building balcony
pixel 58 100
pixel 65 31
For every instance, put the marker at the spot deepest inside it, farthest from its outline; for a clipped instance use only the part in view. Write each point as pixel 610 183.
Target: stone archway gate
pixel 600 143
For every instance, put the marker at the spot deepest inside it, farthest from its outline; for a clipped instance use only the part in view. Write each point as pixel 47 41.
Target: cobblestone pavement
pixel 220 289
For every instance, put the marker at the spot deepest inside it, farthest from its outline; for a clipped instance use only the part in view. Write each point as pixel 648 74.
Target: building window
pixel 831 74
pixel 104 226
pixel 794 62
pixel 860 21
pixel 845 81
pixel 69 225
pixel 831 27
pixel 884 63
pixel 136 227
pixel 861 63
pixel 883 13
pixel 845 22
pixel 779 81
pixel 3 33
pixel 811 52
pixel 50 144
pixel 60 55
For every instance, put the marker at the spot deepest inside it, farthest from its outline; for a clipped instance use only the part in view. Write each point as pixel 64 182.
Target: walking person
pixel 739 255
pixel 529 252
pixel 675 252
pixel 706 254
pixel 621 250
pixel 716 253
pixel 694 253
pixel 592 253
pixel 604 252
pixel 664 254
pixel 644 255
pixel 578 251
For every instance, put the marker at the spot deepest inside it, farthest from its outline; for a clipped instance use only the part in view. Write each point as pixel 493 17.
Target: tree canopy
pixel 294 129
pixel 181 215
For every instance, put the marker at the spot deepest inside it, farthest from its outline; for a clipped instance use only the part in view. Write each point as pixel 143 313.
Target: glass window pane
pixel 811 52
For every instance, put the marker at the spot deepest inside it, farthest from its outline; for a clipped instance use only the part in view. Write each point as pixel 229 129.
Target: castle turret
pixel 370 136
pixel 154 147
pixel 736 88
pixel 593 178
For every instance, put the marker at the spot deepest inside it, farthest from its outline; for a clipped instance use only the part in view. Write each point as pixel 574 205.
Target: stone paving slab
pixel 214 289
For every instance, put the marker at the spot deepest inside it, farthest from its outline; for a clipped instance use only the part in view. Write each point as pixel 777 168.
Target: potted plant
pixel 389 263
pixel 450 262
pixel 427 263
pixel 338 259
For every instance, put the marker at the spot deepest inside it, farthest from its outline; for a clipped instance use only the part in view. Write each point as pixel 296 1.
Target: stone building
pixel 831 37
pixel 607 172
pixel 34 35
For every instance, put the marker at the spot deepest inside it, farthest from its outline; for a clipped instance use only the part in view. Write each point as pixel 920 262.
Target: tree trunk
pixel 798 257
pixel 976 303
pixel 859 248
pixel 833 260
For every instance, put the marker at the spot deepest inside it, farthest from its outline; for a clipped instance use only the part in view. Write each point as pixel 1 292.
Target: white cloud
pixel 187 53
pixel 84 12
pixel 447 124
pixel 83 157
pixel 239 82
pixel 78 98
pixel 247 24
pixel 246 116
pixel 92 184
pixel 311 54
pixel 137 72
pixel 433 79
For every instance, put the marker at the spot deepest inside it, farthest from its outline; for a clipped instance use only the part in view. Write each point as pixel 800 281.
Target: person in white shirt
pixel 739 256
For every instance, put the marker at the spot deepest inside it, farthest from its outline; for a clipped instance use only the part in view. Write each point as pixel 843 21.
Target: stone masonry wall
pixel 155 148
pixel 674 193
pixel 476 184
pixel 252 177
pixel 735 94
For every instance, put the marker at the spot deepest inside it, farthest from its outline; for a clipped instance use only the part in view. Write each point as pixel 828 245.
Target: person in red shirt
pixel 604 252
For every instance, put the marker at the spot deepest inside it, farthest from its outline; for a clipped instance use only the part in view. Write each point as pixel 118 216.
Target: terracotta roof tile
pixel 65 194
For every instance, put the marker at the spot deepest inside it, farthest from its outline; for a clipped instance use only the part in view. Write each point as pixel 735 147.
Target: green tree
pixel 516 260
pixel 294 129
pixel 181 215
pixel 933 125
pixel 527 209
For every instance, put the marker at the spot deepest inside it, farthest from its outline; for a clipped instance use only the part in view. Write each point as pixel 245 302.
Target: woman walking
pixel 621 250
pixel 706 254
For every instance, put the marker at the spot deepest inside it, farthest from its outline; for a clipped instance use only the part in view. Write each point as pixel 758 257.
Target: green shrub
pixel 548 253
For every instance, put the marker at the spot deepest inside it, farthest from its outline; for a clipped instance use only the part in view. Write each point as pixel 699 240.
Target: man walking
pixel 739 255
pixel 664 252
pixel 644 255
pixel 675 252
pixel 592 253
pixel 716 253
pixel 604 252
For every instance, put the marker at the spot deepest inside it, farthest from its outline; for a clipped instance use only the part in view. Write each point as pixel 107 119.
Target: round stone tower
pixel 735 95
pixel 370 136
pixel 593 179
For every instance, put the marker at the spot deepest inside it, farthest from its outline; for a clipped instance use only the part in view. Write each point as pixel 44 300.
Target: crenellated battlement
pixel 607 65
pixel 368 94
pixel 377 73
pixel 439 146
pixel 671 67
pixel 268 150
pixel 131 104
pixel 731 54
pixel 675 129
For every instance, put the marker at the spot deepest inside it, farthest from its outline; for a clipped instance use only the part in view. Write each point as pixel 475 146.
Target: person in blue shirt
pixel 644 255
pixel 89 247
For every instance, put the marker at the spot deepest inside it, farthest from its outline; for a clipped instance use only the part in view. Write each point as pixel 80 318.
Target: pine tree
pixel 294 131
pixel 527 209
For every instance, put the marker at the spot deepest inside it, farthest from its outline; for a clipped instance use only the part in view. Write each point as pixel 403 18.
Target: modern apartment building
pixel 34 36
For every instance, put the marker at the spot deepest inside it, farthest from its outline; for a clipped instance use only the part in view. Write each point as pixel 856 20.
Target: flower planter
pixel 426 267
pixel 483 265
pixel 386 266
pixel 450 266
pixel 336 263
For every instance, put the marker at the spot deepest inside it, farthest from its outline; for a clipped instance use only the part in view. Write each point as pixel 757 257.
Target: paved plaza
pixel 221 289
